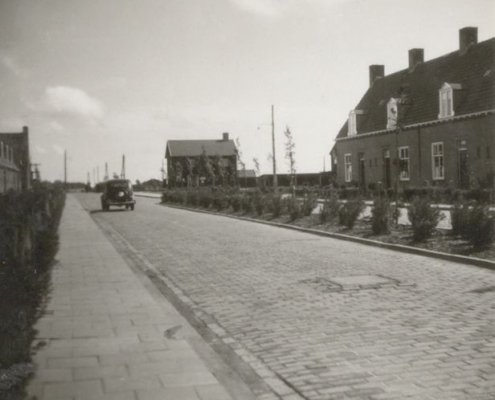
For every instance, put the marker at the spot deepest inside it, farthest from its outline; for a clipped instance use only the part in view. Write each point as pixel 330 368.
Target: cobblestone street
pixel 319 318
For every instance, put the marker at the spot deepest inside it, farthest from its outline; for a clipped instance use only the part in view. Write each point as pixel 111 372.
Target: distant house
pixel 15 166
pixel 201 162
pixel 246 177
pixel 430 124
pixel 301 179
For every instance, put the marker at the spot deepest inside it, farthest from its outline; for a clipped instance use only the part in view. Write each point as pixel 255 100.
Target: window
pixel 392 113
pixel 351 124
pixel 404 163
pixel 446 100
pixel 348 167
pixel 1 149
pixel 437 161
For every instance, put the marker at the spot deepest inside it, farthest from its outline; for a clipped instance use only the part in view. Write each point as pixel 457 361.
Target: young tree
pixel 256 166
pixel 189 171
pixel 205 168
pixel 242 164
pixel 290 155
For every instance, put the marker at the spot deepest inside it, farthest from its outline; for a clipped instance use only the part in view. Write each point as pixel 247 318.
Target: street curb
pixel 478 262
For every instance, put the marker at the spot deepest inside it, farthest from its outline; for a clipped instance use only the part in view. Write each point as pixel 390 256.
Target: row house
pixel 430 124
pixel 15 172
pixel 201 162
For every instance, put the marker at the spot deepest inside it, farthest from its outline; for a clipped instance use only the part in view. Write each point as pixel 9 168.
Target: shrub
pixel 276 206
pixel 28 244
pixel 423 218
pixel 380 215
pixel 349 212
pixel 330 209
pixel 205 199
pixel 220 202
pixel 236 202
pixel 259 203
pixel 293 208
pixel 308 204
pixel 474 223
pixel 459 217
pixel 247 203
pixel 192 198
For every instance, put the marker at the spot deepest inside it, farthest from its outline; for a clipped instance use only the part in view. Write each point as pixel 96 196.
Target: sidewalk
pixel 107 333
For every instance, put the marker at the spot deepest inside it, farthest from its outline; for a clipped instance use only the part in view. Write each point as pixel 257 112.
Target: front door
pixel 362 178
pixel 463 168
pixel 386 169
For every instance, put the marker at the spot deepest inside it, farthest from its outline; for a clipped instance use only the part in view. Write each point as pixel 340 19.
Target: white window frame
pixel 446 100
pixel 404 157
pixel 352 124
pixel 437 173
pixel 348 167
pixel 392 113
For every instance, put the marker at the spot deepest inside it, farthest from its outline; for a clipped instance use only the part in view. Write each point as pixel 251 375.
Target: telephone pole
pixel 275 181
pixel 65 168
pixel 122 172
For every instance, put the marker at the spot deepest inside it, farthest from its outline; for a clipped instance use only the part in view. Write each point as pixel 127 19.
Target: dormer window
pixel 446 99
pixel 392 113
pixel 352 124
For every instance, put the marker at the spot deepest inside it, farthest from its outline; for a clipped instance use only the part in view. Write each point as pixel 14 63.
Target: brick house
pixel 15 167
pixel 201 162
pixel 430 124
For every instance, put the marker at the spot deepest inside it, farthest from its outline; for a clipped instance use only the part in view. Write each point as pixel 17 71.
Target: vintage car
pixel 117 192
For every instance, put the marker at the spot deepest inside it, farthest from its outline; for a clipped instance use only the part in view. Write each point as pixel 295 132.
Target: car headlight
pixel 121 194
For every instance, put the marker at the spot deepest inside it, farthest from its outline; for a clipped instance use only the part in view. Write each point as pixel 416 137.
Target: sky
pixel 103 78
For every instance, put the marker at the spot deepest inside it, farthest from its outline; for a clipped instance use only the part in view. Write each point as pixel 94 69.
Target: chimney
pixel 225 136
pixel 376 72
pixel 416 56
pixel 467 36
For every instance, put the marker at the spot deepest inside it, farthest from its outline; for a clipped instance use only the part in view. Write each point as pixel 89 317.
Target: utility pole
pixel 105 178
pixel 65 169
pixel 275 181
pixel 122 172
pixel 98 173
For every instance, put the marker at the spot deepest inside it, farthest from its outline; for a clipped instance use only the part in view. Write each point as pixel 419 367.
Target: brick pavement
pixel 429 335
pixel 103 334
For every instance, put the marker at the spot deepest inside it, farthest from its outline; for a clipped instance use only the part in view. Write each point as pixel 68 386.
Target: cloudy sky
pixel 102 78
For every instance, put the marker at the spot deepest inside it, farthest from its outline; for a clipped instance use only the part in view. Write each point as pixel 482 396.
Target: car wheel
pixel 132 207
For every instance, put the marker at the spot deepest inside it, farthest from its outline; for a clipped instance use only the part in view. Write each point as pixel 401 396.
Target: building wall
pixel 21 164
pixel 9 179
pixel 476 136
pixel 228 162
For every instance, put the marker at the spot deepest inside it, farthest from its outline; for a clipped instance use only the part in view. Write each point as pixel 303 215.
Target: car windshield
pixel 121 185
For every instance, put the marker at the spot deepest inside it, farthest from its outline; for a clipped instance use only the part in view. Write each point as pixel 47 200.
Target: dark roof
pixel 474 71
pixel 246 173
pixel 194 148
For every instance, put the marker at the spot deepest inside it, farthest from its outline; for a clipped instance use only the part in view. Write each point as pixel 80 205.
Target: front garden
pixel 472 221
